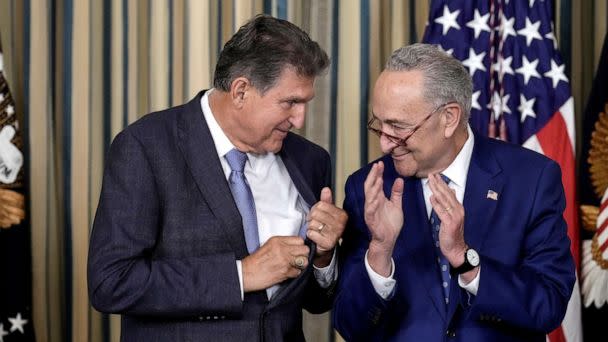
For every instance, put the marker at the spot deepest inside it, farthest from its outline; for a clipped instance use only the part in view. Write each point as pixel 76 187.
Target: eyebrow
pixel 297 99
pixel 393 121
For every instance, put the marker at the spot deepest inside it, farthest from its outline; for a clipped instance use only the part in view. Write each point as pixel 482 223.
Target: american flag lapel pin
pixel 493 195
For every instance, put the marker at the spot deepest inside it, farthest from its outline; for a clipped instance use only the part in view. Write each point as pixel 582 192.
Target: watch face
pixel 472 257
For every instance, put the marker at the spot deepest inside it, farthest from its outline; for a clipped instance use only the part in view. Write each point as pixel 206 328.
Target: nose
pixel 298 115
pixel 386 145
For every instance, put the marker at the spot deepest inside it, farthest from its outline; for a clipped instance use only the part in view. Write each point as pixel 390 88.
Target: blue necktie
pixel 444 265
pixel 243 198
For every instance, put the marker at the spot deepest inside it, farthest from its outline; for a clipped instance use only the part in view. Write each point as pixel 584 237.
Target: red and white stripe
pixel 556 141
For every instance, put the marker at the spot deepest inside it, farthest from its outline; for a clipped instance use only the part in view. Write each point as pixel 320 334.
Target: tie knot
pixel 236 159
pixel 445 178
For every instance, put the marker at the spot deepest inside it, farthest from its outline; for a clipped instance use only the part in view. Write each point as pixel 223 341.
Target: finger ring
pixel 447 209
pixel 299 262
pixel 321 227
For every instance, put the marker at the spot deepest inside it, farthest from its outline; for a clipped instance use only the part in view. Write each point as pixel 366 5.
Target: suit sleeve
pixel 359 313
pixel 533 295
pixel 124 274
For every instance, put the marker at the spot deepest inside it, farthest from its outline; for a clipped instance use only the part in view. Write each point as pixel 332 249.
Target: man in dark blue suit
pixel 215 222
pixel 451 236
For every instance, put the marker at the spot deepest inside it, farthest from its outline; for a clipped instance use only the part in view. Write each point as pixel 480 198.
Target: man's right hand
pixel 275 261
pixel 384 218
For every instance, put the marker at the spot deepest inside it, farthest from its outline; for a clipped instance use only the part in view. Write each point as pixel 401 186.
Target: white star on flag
pixel 1 63
pixel 479 23
pixel 532 3
pixel 475 100
pixel 531 31
pixel 556 73
pixel 499 105
pixel 507 27
pixel 1 97
pixel 10 110
pixel 448 19
pixel 474 62
pixel 528 69
pixel 2 332
pixel 551 37
pixel 526 107
pixel 503 66
pixel 17 323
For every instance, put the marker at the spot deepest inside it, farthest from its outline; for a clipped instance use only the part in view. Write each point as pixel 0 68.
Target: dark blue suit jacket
pixel 167 235
pixel 527 271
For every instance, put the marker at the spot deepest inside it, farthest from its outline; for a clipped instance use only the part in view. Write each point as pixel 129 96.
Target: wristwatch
pixel 471 260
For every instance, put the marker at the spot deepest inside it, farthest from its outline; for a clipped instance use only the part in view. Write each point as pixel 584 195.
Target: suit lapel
pixel 307 194
pixel 296 175
pixel 196 145
pixel 484 179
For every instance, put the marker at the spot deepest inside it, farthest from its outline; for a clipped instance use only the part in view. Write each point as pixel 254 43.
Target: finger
pixel 374 175
pixel 294 251
pixel 287 240
pixel 324 208
pixel 12 197
pixel 397 191
pixel 442 192
pixel 326 195
pixel 14 211
pixel 374 189
pixel 323 242
pixel 299 261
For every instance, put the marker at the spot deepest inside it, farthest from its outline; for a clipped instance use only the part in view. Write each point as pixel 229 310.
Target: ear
pixel 239 90
pixel 452 116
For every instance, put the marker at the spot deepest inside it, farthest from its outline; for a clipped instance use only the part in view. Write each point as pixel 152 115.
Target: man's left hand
pixel 451 214
pixel 326 224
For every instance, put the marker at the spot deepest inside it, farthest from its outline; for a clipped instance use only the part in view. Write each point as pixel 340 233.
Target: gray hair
pixel 445 78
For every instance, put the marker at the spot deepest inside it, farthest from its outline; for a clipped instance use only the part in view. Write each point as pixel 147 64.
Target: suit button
pixel 450 333
pixel 201 318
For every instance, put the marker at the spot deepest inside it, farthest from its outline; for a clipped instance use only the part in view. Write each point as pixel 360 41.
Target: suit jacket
pixel 527 271
pixel 167 234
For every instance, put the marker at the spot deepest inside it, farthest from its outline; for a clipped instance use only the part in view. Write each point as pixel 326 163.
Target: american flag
pixel 520 91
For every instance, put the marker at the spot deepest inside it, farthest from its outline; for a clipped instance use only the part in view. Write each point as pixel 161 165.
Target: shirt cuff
pixel 473 286
pixel 384 286
pixel 239 270
pixel 327 275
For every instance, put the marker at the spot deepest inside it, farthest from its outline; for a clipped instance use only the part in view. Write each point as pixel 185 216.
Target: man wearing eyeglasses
pixel 451 235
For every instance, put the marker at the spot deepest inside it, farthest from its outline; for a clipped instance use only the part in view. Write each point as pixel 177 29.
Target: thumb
pixel 397 191
pixel 326 195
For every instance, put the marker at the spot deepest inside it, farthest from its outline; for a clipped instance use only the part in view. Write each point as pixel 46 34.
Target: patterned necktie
pixel 444 265
pixel 243 198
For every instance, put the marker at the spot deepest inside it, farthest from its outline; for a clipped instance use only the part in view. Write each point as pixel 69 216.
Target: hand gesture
pixel 384 218
pixel 326 224
pixel 451 214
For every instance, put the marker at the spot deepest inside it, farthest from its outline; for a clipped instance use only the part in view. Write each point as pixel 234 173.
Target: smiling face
pixel 264 119
pixel 398 101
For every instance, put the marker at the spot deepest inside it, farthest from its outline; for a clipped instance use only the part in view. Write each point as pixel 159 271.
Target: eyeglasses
pixel 373 125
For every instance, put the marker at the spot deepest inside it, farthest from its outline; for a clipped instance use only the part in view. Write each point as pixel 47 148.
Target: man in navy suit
pixel 215 222
pixel 451 236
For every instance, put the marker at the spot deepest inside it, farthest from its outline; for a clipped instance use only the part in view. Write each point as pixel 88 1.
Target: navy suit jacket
pixel 167 235
pixel 527 271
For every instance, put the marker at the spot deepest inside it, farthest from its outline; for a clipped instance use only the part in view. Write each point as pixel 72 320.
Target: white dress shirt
pixel 457 173
pixel 280 210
